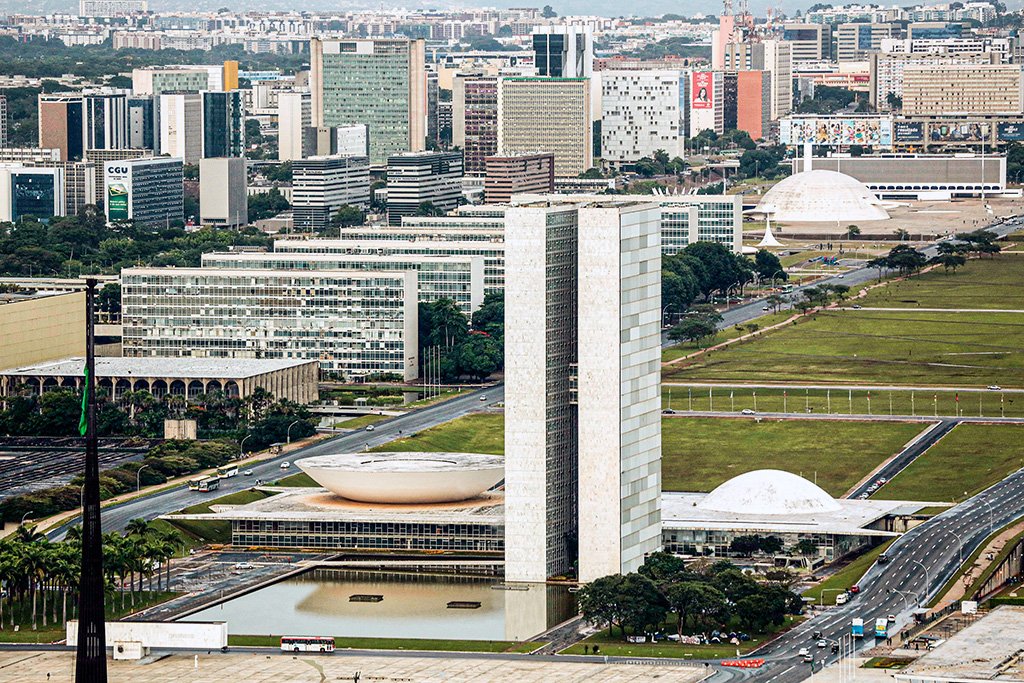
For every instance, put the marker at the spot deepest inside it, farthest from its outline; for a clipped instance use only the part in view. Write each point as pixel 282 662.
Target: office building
pixel 380 83
pixel 30 191
pixel 105 120
pixel 323 184
pixel 141 122
pixel 40 326
pixel 963 89
pixel 506 176
pixel 353 141
pixel 355 323
pixel 855 41
pixel 706 102
pixel 456 277
pixel 475 119
pixel 223 124
pixel 156 81
pixel 294 116
pixel 147 191
pixel 230 75
pixel 420 178
pixel 753 102
pixel 181 126
pixel 3 122
pixel 60 124
pixel 887 70
pixel 582 415
pixel 773 56
pixel 223 199
pixel 111 8
pixel 641 113
pixel 547 115
pixel 810 42
pixel 562 51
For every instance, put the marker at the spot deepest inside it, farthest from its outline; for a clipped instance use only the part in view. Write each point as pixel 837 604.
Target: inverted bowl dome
pixel 403 478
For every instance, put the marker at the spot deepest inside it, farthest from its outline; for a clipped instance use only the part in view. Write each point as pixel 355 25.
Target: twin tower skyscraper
pixel 582 388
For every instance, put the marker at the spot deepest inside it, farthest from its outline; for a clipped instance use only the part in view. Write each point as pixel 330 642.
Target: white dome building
pixel 405 478
pixel 769 492
pixel 820 196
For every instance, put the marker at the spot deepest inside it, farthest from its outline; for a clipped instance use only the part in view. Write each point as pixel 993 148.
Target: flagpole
pixel 91 656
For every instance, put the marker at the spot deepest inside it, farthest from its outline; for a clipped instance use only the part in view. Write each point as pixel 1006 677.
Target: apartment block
pixel 963 89
pixel 355 323
pixel 552 115
pixel 506 176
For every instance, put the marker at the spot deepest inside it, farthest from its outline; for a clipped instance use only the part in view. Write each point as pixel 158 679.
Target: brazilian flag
pixel 83 421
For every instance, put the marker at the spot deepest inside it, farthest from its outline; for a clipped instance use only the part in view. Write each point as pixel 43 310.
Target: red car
pixel 854 590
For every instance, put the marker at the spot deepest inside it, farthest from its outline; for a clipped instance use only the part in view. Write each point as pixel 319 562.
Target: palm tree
pixel 137 527
pixel 34 560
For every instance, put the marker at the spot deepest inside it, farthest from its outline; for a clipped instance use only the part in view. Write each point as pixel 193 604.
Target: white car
pixel 892 618
pixel 994 387
pixel 247 473
pixel 285 465
pixel 822 643
pixel 243 565
pixel 748 411
pixel 483 398
pixel 804 652
pixel 370 428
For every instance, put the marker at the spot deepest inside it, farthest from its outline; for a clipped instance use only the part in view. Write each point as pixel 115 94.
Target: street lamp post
pixel 289 432
pixel 927 581
pixel 138 478
pixel 664 312
pixel 24 516
pixel 960 548
pixel 241 446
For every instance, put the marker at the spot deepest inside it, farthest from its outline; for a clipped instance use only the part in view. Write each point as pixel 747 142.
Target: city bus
pixel 307 644
pixel 204 484
pixel 227 471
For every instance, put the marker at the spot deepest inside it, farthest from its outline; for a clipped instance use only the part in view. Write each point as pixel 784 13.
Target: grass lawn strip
pixel 476 433
pixel 980 283
pixel 844 578
pixel 966 461
pixel 411 644
pixel 361 421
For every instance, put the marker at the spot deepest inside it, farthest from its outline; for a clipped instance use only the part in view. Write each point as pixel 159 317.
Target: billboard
pixel 118 181
pixel 702 92
pixel 1010 132
pixel 837 131
pixel 908 131
pixel 973 131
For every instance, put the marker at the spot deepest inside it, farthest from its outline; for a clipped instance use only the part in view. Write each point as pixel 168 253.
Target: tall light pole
pixel 24 516
pixel 91 655
pixel 927 581
pixel 138 478
pixel 960 548
pixel 241 451
pixel 289 432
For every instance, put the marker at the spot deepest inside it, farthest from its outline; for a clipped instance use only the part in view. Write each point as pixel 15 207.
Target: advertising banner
pixel 1010 132
pixel 908 131
pixel 702 91
pixel 838 131
pixel 118 179
pixel 973 131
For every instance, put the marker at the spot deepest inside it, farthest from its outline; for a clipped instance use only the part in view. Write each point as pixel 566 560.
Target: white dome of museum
pixel 819 196
pixel 769 492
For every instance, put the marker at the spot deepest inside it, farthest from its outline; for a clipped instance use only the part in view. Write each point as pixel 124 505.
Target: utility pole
pixel 91 655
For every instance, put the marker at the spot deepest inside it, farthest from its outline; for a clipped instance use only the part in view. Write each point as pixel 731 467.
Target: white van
pixel 842 598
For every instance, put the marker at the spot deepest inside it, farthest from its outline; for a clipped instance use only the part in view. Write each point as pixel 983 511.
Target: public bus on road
pixel 204 484
pixel 227 471
pixel 307 644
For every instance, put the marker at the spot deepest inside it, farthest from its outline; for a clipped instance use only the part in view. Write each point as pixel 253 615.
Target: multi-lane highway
pixel 921 561
pixel 116 517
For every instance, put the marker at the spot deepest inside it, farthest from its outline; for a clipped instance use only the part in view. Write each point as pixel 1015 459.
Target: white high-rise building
pixel 293 118
pixel 641 113
pixel 582 392
pixel 223 200
pixel 181 126
pixel 323 184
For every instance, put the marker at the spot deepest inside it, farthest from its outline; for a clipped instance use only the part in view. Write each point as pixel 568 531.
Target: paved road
pixel 115 518
pixel 840 387
pixel 843 416
pixel 912 452
pixel 922 560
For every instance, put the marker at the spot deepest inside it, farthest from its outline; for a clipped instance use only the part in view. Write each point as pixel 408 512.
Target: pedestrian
pixel 586 649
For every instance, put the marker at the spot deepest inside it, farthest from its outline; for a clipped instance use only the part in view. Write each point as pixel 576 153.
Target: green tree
pixel 852 231
pixel 768 265
pixel 490 317
pixel 548 12
pixel 697 599
pixel 428 209
pixel 479 356
pixel 694 329
pixel 347 216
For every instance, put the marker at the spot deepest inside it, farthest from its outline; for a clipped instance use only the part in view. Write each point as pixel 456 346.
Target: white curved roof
pixel 405 477
pixel 769 492
pixel 819 196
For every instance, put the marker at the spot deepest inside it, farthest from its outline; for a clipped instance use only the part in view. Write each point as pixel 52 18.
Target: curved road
pixel 116 517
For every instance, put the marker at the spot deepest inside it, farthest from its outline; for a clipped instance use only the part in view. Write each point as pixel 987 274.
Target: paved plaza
pixel 25 667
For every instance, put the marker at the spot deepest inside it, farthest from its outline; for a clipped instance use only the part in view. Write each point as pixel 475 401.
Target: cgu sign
pixel 119 188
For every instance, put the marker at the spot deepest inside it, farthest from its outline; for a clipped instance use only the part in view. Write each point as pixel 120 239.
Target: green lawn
pixel 210 531
pixel 825 592
pixel 399 644
pixel 300 479
pixel 360 422
pixel 237 498
pixel 967 460
pixel 839 401
pixel 981 283
pixel 879 347
pixel 767 320
pixel 698 454
pixel 477 433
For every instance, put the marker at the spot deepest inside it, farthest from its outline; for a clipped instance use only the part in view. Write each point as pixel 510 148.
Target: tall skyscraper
pixel 181 126
pixel 582 401
pixel 564 51
pixel 641 113
pixel 105 120
pixel 223 124
pixel 475 119
pixel 537 115
pixel 3 121
pixel 774 56
pixel 381 83
pixel 293 118
pixel 60 124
